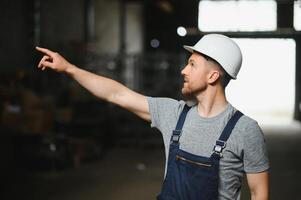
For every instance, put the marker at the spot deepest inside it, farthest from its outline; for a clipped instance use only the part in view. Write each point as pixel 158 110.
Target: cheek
pixel 196 77
pixel 198 80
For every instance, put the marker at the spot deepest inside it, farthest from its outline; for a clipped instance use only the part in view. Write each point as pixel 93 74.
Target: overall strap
pixel 222 141
pixel 176 134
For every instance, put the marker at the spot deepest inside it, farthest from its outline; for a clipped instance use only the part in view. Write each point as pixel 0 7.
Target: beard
pixel 189 92
pixel 188 96
pixel 186 91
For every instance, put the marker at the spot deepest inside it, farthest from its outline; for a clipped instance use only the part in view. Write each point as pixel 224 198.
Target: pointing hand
pixel 53 60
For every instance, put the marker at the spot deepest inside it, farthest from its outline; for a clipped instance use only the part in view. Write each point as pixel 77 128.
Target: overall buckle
pixel 218 147
pixel 176 134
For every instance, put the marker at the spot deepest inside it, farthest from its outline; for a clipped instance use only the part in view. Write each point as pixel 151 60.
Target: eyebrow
pixel 191 60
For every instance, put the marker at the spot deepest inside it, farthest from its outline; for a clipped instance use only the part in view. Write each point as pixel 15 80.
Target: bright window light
pixel 265 87
pixel 297 15
pixel 231 15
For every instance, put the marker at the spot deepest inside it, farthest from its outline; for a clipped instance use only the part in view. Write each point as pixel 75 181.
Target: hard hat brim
pixel 192 49
pixel 189 48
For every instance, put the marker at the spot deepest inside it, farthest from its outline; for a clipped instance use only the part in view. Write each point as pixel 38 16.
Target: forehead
pixel 204 60
pixel 196 57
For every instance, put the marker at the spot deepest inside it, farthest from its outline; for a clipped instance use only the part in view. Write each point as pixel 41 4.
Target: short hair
pixel 225 78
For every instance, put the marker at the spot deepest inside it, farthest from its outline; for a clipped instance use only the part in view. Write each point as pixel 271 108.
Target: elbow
pixel 115 98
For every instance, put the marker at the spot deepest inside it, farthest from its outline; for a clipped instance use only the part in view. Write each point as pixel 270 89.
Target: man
pixel 208 145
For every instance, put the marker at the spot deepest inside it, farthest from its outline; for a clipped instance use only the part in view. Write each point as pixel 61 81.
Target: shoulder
pixel 164 111
pixel 248 132
pixel 247 129
pixel 164 100
pixel 248 125
pixel 245 122
pixel 165 104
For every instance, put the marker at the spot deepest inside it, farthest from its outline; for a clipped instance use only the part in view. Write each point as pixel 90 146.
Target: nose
pixel 184 70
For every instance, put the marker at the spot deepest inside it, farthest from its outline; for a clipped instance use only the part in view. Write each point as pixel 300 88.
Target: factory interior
pixel 58 141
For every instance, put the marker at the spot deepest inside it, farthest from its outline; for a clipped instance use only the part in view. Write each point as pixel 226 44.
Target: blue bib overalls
pixel 192 177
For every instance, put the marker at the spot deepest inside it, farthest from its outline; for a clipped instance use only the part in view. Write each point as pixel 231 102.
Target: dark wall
pixel 162 18
pixel 62 27
pixel 17 36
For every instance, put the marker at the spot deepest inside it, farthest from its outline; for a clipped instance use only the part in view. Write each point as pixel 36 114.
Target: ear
pixel 213 76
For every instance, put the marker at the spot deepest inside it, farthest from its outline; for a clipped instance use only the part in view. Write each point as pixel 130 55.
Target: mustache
pixel 185 79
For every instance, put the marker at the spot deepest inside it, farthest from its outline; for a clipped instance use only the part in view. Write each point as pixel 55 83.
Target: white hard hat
pixel 222 49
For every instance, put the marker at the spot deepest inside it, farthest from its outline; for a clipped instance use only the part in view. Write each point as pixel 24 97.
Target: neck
pixel 211 102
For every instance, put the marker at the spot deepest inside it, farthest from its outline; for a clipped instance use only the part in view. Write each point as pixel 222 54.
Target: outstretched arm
pixel 103 88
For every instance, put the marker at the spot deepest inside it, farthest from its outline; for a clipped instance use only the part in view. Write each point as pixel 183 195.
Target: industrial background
pixel 60 142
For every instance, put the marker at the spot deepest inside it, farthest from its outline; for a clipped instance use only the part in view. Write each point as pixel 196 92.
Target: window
pixel 231 15
pixel 265 87
pixel 297 15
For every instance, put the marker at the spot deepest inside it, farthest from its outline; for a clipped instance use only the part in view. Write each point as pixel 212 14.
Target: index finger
pixel 45 51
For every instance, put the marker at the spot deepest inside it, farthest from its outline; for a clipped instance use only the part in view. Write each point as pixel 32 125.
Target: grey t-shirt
pixel 245 151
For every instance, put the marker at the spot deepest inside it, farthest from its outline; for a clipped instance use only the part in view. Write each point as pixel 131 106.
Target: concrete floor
pixel 135 174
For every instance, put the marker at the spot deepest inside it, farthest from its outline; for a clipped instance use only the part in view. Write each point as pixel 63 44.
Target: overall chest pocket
pixel 188 161
pixel 195 166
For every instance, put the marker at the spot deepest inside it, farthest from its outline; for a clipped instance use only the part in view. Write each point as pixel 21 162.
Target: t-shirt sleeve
pixel 164 112
pixel 255 153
